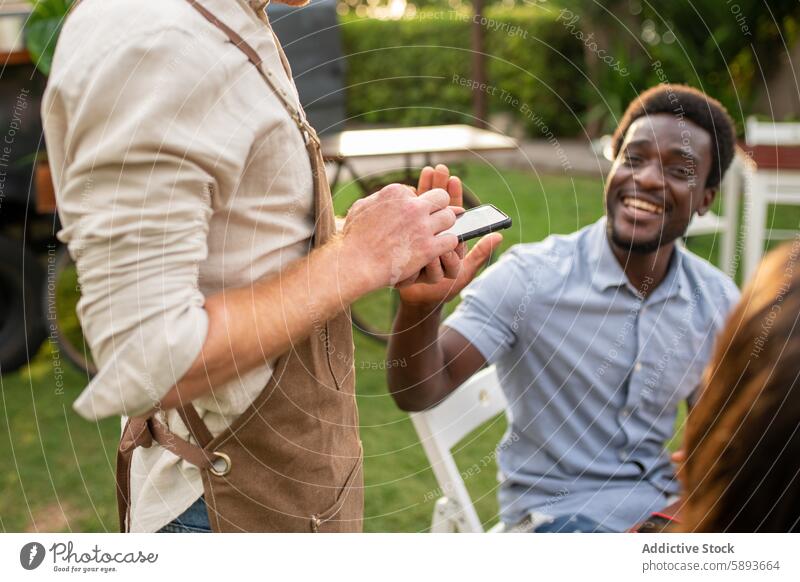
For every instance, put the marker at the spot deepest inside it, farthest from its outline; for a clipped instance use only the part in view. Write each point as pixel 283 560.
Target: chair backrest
pixel 440 428
pixel 771 133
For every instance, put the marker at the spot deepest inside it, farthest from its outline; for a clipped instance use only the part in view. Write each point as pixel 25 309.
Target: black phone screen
pixel 478 221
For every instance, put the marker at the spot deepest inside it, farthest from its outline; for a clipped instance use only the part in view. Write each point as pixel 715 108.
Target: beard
pixel 641 247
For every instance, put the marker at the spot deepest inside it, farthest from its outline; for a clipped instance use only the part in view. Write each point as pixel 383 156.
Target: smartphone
pixel 478 221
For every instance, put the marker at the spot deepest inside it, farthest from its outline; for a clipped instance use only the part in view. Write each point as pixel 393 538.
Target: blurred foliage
pixel 42 29
pixel 409 71
pixel 728 48
pixel 404 66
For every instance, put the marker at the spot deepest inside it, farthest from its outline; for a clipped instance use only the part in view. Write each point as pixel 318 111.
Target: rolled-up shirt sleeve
pixel 141 135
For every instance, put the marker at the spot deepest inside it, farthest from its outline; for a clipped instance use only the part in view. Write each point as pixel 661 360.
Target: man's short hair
pixel 686 102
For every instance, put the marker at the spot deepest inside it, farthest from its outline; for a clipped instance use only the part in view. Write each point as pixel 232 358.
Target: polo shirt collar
pixel 605 270
pixel 608 273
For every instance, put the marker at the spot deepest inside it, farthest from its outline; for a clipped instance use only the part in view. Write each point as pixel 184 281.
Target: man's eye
pixel 681 171
pixel 632 160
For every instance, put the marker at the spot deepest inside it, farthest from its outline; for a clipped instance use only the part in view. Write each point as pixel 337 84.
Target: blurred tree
pixel 607 29
pixel 742 51
pixel 42 28
pixel 380 8
pixel 745 46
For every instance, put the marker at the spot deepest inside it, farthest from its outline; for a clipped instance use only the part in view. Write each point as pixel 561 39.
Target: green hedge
pixel 407 72
pixel 401 72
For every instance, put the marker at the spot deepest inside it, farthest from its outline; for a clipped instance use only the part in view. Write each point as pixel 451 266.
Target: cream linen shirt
pixel 178 174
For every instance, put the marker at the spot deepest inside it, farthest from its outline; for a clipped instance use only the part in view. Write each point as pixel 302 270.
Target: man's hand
pixel 391 235
pixel 445 277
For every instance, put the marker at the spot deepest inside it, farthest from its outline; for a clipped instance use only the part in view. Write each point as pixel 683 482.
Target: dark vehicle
pixel 312 42
pixel 26 209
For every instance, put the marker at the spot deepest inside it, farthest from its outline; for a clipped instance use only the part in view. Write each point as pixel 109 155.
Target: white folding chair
pixel 765 186
pixel 440 428
pixel 725 225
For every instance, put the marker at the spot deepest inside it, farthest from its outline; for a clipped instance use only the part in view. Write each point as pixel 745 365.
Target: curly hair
pixel 686 102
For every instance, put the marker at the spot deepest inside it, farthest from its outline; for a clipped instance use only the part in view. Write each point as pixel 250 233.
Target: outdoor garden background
pixel 404 61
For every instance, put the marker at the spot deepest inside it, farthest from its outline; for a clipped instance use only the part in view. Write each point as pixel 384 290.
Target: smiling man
pixel 597 336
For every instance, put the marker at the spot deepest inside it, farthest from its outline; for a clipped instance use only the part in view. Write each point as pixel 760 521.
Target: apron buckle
pixel 309 135
pixel 220 466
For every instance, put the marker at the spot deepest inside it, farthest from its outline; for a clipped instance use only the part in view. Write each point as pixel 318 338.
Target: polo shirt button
pixel 638 367
pixel 626 411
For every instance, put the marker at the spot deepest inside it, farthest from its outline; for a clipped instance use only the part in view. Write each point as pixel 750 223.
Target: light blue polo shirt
pixel 593 373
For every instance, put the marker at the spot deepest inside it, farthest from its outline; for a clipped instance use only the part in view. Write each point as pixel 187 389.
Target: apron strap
pixel 135 434
pixel 142 432
pixel 252 55
pixel 197 428
pixel 232 35
pixel 325 223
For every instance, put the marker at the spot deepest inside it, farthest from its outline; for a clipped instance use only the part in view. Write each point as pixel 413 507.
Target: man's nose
pixel 649 176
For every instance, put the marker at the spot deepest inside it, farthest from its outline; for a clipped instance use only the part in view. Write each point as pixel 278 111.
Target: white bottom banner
pixel 379 557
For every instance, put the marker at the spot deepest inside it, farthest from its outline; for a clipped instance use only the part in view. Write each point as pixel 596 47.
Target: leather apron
pixel 292 462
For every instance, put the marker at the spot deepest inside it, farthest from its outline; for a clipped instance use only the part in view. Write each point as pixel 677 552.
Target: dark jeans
pixel 572 524
pixel 562 524
pixel 193 520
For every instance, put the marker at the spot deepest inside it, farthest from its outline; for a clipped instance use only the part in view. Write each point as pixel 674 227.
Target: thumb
pixel 480 253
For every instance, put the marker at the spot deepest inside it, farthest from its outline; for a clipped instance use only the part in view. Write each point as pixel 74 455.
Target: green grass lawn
pixel 58 470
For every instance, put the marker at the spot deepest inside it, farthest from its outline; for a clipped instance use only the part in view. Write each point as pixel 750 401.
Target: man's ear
pixel 708 199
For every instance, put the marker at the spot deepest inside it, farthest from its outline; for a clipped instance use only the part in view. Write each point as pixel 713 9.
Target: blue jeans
pixel 572 524
pixel 193 520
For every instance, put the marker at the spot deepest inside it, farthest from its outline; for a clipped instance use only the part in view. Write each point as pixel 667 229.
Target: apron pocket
pixel 339 351
pixel 330 520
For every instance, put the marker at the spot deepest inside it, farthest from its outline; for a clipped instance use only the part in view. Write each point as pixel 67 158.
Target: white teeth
pixel 642 205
